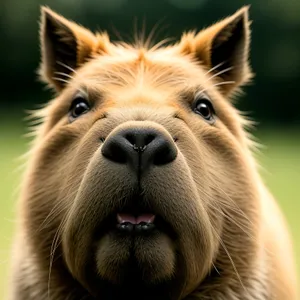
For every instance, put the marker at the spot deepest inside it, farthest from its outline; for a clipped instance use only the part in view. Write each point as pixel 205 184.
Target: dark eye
pixel 79 107
pixel 204 108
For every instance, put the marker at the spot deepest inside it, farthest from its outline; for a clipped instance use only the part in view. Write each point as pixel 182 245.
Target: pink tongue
pixel 148 218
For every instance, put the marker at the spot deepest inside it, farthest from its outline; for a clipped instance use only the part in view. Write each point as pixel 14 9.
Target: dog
pixel 141 182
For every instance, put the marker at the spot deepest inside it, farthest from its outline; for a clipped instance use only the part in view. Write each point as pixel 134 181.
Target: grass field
pixel 280 160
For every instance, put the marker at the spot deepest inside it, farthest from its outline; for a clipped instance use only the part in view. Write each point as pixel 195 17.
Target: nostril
pixel 130 137
pixel 115 149
pixel 165 152
pixel 149 138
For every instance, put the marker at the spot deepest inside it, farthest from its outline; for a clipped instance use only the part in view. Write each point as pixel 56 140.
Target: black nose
pixel 140 148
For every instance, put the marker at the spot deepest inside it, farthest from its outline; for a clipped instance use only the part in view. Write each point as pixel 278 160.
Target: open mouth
pixel 135 223
pixel 134 220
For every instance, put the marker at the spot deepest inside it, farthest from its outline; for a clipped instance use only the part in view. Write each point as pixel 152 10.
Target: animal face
pixel 141 172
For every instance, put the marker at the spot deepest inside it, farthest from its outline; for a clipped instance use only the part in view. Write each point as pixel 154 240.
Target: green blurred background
pixel 272 100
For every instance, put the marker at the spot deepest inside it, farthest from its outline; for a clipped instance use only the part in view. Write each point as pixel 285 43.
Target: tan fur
pixel 231 240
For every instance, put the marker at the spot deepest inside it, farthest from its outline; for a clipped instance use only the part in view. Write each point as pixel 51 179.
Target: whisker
pixel 56 239
pixel 161 43
pixel 220 73
pixel 216 269
pixel 54 246
pixel 224 83
pixel 236 209
pixel 64 74
pixel 66 66
pixel 216 84
pixel 57 207
pixel 215 206
pixel 61 79
pixel 214 68
pixel 117 33
pixel 230 258
pixel 135 31
pixel 143 33
pixel 153 32
pixel 233 221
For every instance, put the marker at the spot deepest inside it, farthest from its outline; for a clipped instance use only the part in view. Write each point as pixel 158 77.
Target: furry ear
pixel 224 48
pixel 64 47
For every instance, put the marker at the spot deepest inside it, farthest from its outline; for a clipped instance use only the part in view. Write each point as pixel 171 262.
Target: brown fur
pixel 231 240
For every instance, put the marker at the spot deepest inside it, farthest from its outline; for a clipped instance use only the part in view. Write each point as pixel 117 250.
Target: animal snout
pixel 140 148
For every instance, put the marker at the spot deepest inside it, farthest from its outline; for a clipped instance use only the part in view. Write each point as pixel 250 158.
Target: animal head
pixel 141 170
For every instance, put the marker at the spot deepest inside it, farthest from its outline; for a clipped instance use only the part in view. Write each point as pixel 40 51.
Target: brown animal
pixel 141 183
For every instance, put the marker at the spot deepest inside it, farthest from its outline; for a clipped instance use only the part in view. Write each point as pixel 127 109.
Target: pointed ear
pixel 224 49
pixel 64 47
